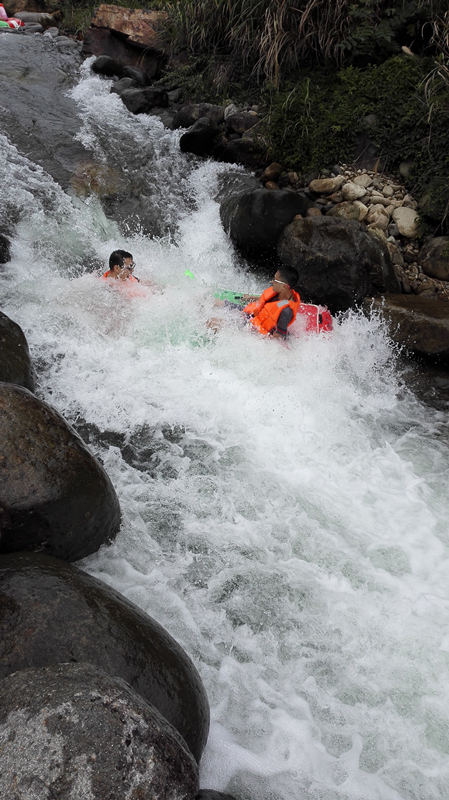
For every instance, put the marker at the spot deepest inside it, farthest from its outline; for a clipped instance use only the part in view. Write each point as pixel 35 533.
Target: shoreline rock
pixel 54 495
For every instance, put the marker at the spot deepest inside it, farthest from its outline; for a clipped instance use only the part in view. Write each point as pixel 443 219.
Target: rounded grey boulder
pixel 52 612
pixel 256 219
pixel 15 362
pixel 54 495
pixel 72 732
pixel 339 262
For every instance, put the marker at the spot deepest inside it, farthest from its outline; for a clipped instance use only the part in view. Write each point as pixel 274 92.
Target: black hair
pixel 124 253
pixel 289 275
pixel 115 258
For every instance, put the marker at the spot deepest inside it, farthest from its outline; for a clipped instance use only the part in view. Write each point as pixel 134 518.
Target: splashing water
pixel 285 509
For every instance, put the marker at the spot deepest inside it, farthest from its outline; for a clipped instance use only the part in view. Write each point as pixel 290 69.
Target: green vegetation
pixel 273 39
pixel 315 122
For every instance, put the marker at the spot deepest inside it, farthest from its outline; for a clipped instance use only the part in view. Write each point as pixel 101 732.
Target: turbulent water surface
pixel 285 509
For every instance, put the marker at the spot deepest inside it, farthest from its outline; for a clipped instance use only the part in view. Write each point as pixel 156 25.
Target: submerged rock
pixel 52 612
pixel 338 261
pixel 15 361
pixel 72 732
pixel 54 495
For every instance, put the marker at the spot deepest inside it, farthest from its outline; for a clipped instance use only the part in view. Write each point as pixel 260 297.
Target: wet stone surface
pixel 71 731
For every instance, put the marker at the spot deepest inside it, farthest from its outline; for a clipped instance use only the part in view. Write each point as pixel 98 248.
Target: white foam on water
pixel 285 508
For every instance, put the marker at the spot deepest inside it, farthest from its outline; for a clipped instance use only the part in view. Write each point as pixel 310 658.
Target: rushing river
pixel 285 509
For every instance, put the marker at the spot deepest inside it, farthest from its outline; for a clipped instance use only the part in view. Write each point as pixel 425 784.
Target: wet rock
pixel 51 33
pixel 138 101
pixel 175 95
pixel 54 495
pixel 100 41
pixel 35 77
pixel 105 65
pixel 338 261
pixel 211 794
pixel 241 151
pixel 241 122
pixel 200 138
pixel 272 172
pixel 70 731
pixel 190 113
pixel 136 74
pixel 256 219
pixel 118 87
pixel 5 249
pixel 15 362
pixel 420 323
pixel 434 258
pixel 52 612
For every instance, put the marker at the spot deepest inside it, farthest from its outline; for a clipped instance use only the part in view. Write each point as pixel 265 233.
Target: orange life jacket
pixel 129 278
pixel 265 312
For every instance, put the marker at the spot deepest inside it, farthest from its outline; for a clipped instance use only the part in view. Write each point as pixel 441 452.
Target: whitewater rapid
pixel 285 509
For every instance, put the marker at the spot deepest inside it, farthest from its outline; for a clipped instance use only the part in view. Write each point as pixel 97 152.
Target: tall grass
pixel 275 37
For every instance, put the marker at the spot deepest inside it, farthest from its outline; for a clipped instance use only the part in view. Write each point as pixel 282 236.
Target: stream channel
pixel 285 509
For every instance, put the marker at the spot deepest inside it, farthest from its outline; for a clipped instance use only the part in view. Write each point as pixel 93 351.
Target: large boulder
pixel 249 152
pixel 54 495
pixel 52 612
pixel 190 113
pixel 72 732
pixel 419 323
pixel 256 219
pixel 105 65
pixel 141 100
pixel 339 262
pixel 131 36
pixel 200 138
pixel 241 121
pixel 434 258
pixel 15 362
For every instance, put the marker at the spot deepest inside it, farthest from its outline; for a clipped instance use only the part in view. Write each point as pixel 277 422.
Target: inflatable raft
pixel 9 22
pixel 309 319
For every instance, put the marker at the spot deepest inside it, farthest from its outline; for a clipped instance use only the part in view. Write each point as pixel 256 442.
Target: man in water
pixel 275 310
pixel 121 265
pixel 128 264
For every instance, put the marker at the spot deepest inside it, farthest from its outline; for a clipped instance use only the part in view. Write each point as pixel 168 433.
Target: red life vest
pixel 266 311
